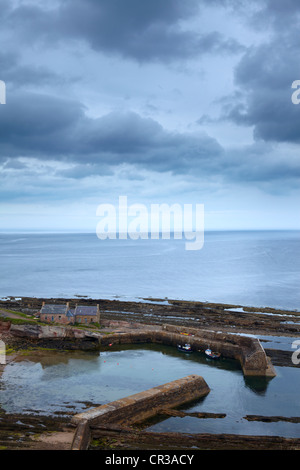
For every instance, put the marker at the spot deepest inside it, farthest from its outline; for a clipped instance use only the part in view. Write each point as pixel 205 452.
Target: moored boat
pixel 184 348
pixel 211 354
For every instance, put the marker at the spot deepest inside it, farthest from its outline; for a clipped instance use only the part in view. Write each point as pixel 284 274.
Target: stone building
pixel 87 314
pixel 57 313
pixel 62 313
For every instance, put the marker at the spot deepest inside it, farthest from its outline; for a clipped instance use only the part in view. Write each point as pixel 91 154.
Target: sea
pixel 248 268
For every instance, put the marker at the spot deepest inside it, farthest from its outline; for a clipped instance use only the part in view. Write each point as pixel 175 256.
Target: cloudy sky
pixel 162 101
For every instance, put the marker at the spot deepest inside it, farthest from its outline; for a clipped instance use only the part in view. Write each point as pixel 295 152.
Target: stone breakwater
pixel 138 407
pixel 247 350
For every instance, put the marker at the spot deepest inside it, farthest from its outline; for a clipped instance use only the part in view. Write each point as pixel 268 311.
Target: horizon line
pixel 79 231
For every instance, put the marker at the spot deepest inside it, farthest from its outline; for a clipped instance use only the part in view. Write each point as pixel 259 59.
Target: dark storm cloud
pixel 272 115
pixel 264 77
pixel 277 14
pixel 47 128
pixel 144 31
pixel 18 75
pixel 265 73
pixel 50 128
pixel 44 127
pixel 263 164
pixel 37 125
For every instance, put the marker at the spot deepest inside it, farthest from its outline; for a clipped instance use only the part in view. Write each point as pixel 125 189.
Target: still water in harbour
pixel 52 383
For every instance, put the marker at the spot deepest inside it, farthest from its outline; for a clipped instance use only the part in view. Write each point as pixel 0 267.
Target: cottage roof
pixel 86 310
pixel 54 309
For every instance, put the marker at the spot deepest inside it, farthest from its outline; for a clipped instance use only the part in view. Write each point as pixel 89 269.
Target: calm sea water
pixel 248 268
pixel 63 382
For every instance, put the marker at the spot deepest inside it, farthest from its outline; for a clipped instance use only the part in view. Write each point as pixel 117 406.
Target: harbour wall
pixel 247 350
pixel 136 408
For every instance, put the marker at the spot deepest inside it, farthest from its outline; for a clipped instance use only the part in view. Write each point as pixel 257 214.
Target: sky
pixel 164 102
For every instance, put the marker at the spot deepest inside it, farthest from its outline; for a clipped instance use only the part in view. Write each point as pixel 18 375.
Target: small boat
pixel 212 355
pixel 184 348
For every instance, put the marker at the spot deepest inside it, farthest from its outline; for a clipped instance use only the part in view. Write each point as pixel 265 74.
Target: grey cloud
pixel 276 14
pixel 81 171
pixel 266 72
pixel 50 128
pixel 18 75
pixel 44 127
pixel 268 66
pixel 270 112
pixel 60 130
pixel 144 31
pixel 14 164
pixel 273 116
pixel 263 97
pixel 263 164
pixel 37 125
pixel 263 14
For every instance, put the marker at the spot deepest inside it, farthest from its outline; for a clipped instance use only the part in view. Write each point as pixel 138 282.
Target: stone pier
pixel 136 408
pixel 245 349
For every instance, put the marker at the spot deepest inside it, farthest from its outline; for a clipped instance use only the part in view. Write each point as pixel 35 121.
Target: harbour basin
pixel 65 383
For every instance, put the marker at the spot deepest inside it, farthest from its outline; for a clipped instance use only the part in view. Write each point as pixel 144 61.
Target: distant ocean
pixel 249 268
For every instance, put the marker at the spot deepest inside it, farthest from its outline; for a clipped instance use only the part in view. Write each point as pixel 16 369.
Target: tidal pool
pixel 53 382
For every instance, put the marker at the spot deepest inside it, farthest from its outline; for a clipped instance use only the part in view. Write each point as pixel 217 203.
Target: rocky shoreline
pixel 226 317
pixel 218 317
pixel 122 316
